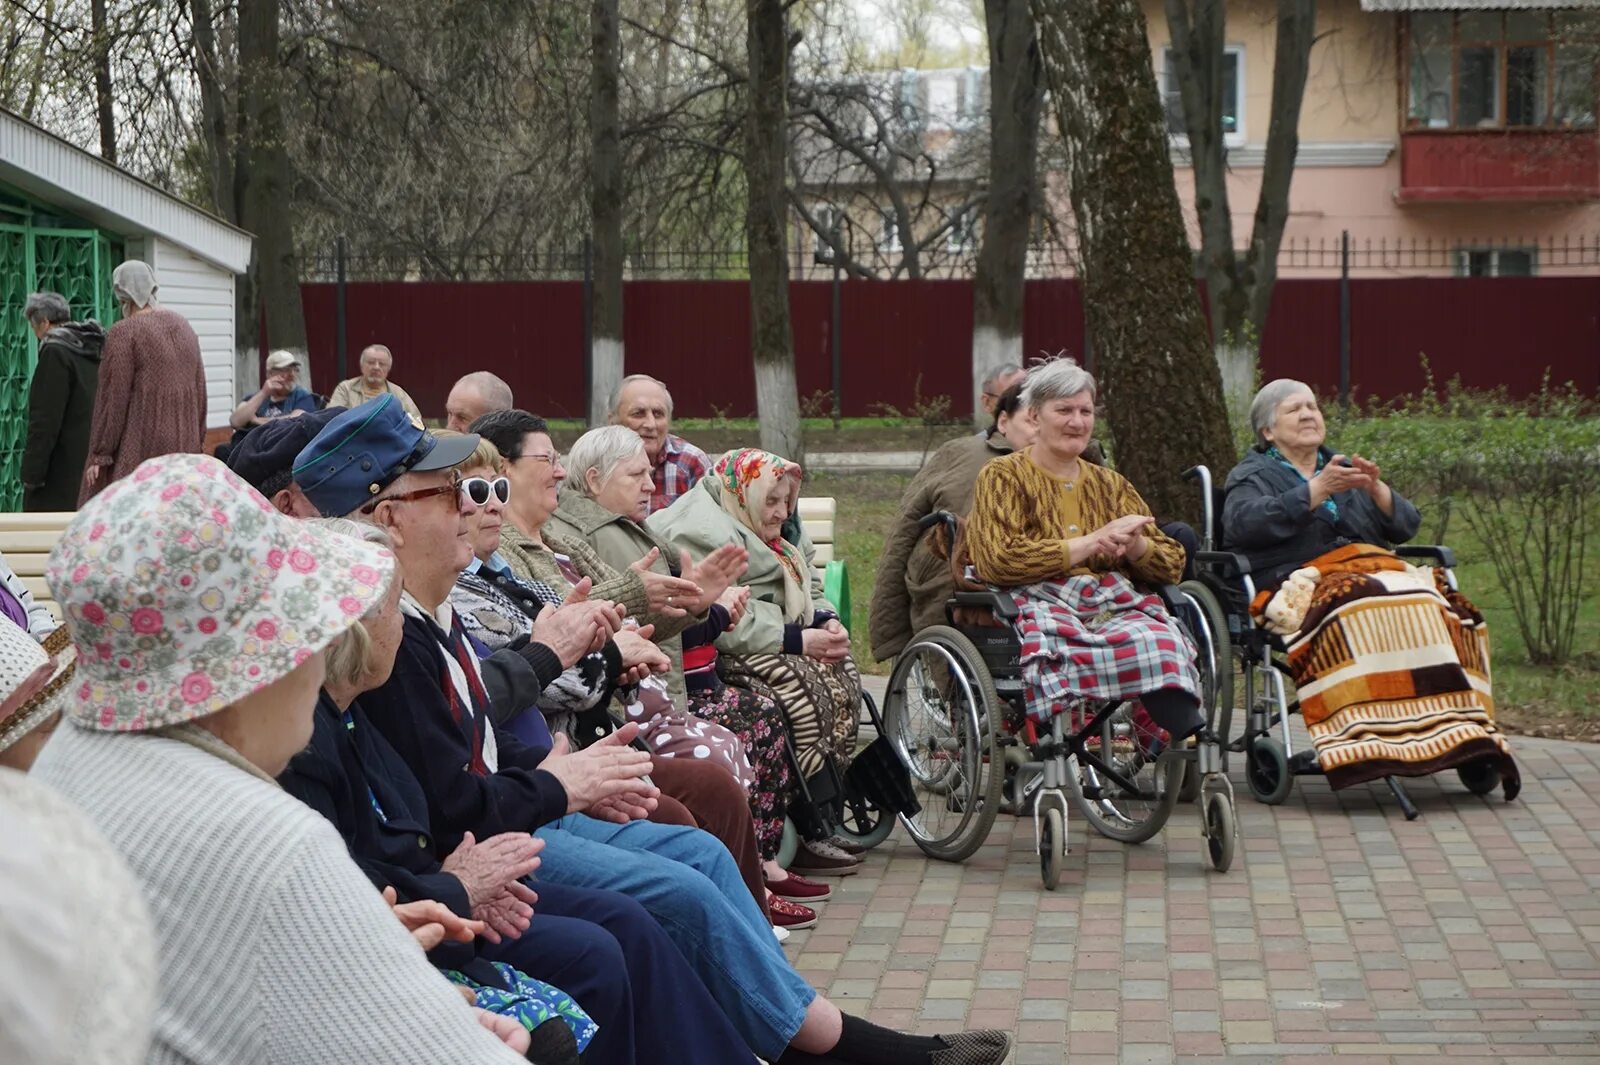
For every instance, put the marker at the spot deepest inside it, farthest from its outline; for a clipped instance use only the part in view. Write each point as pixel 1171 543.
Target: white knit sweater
pixel 274 948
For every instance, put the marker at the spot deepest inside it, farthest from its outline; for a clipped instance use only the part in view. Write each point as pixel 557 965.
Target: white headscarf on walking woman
pixel 134 282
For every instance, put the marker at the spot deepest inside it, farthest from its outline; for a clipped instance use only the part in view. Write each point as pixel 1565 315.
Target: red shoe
pixel 790 915
pixel 795 886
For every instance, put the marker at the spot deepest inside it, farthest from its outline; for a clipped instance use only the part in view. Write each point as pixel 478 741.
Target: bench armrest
pixel 1228 565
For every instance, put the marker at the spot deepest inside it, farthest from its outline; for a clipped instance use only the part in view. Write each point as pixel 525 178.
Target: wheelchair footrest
pixel 878 775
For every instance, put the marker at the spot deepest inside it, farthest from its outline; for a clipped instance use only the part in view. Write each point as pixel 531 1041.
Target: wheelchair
pixel 954 715
pixel 1271 764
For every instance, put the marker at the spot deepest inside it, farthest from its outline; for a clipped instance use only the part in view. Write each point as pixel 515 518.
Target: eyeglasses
pixel 552 457
pixel 477 490
pixel 455 485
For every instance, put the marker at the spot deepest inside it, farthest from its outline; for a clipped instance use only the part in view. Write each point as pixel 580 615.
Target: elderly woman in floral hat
pixel 200 617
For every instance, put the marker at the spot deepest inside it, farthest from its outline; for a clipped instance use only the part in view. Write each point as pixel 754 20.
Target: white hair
pixel 635 378
pixel 1056 379
pixel 1000 373
pixel 601 450
pixel 1264 408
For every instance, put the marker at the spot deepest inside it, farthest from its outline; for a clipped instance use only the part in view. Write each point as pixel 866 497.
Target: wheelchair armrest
pixel 998 602
pixel 1438 554
pixel 1171 598
pixel 1228 565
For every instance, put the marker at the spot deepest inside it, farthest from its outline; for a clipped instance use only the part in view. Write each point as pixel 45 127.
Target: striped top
pixel 274 947
pixel 1023 516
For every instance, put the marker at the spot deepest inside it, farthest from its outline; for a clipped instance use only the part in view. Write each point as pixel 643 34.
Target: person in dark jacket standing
pixel 60 403
pixel 152 395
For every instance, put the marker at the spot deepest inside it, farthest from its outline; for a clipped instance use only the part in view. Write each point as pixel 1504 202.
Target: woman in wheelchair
pixel 1390 661
pixel 1069 539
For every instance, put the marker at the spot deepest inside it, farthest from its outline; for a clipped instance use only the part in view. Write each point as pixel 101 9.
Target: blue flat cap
pixel 265 455
pixel 367 448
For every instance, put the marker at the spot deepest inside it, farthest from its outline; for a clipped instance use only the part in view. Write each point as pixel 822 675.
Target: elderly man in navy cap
pixel 265 458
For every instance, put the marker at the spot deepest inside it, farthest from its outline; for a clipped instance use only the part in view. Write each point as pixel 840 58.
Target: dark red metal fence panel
pixel 902 338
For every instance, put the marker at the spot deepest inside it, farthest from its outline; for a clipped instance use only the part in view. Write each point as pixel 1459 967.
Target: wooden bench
pixel 817 516
pixel 26 541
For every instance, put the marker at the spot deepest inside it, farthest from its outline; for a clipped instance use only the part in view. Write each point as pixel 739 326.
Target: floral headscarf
pixel 748 478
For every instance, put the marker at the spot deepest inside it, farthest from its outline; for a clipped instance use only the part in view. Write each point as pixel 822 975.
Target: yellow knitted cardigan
pixel 1023 516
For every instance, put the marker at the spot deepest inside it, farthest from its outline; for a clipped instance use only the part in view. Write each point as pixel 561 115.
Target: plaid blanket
pixel 1097 637
pixel 1392 668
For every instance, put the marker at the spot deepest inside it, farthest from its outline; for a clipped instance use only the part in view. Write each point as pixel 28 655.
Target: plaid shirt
pixel 678 467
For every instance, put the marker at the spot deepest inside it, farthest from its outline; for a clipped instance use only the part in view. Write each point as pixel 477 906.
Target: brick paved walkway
pixel 1341 932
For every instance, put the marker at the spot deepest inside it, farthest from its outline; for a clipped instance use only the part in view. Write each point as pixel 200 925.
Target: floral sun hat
pixel 185 591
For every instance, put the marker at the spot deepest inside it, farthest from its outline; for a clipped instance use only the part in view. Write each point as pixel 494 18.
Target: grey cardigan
pixel 1268 518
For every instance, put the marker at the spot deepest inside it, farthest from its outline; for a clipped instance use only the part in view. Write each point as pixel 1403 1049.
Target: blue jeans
pixel 687 881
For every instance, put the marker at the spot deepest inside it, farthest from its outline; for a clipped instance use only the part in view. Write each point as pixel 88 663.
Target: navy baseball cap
pixel 367 448
pixel 265 455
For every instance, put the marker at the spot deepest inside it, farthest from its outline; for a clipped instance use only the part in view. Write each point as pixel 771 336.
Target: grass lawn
pixel 1538 700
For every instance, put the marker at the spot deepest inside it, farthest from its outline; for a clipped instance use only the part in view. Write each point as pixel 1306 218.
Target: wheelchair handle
pixel 1202 473
pixel 938 517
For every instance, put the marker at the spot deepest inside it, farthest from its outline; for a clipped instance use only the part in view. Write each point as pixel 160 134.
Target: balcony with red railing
pixel 1550 165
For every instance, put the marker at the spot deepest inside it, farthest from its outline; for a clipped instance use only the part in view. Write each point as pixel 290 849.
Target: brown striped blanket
pixel 1391 667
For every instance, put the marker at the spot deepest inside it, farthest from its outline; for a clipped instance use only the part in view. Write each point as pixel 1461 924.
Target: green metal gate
pixel 40 251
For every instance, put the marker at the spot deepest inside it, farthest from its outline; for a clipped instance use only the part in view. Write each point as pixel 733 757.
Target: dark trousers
pixel 612 957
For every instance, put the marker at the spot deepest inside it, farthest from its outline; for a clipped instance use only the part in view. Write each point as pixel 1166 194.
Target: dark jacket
pixel 1268 518
pixel 443 745
pixel 60 410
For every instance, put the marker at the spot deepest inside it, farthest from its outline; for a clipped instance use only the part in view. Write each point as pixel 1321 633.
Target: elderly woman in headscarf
pixel 1317 528
pixel 200 617
pixel 151 398
pixel 604 501
pixel 790 645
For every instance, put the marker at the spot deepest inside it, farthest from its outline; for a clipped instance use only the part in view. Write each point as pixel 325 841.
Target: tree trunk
pixel 266 201
pixel 1239 287
pixel 102 80
pixel 605 208
pixel 998 282
pixel 766 231
pixel 1159 382
pixel 213 112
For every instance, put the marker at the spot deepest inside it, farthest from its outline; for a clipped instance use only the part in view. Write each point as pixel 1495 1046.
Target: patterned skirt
pixel 821 703
pixel 1097 637
pixel 758 723
pixel 530 1002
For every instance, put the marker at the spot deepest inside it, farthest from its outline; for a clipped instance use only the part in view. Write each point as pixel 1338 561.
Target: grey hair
pixel 635 378
pixel 1264 408
pixel 48 308
pixel 1056 379
pixel 348 654
pixel 601 450
pixel 377 347
pixel 134 282
pixel 1000 373
pixel 495 392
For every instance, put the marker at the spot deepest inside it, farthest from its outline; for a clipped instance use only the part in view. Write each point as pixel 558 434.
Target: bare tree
pixel 1239 287
pixel 1015 89
pixel 1161 386
pixel 606 358
pixel 766 144
pixel 102 80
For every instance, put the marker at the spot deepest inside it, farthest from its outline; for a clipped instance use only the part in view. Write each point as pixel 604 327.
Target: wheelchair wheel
pixel 1219 830
pixel 940 715
pixel 1267 771
pixel 1129 794
pixel 790 845
pixel 1052 847
pixel 1480 777
pixel 865 823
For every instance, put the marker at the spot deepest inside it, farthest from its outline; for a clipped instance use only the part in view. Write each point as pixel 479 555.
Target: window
pixel 889 234
pixel 1500 69
pixel 963 235
pixel 1496 262
pixel 1232 96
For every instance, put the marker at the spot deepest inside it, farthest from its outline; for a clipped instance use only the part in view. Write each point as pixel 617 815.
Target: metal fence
pixel 1355 254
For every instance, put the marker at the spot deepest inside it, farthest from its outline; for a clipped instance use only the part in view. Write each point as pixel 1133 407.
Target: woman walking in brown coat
pixel 152 394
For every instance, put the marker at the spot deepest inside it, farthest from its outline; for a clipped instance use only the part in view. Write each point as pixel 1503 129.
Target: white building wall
pixel 203 293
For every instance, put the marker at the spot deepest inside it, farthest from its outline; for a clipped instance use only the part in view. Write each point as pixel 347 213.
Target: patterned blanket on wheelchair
pixel 1096 637
pixel 1391 667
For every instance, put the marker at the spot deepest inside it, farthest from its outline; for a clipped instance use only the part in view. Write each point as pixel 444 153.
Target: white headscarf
pixel 77 955
pixel 134 282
